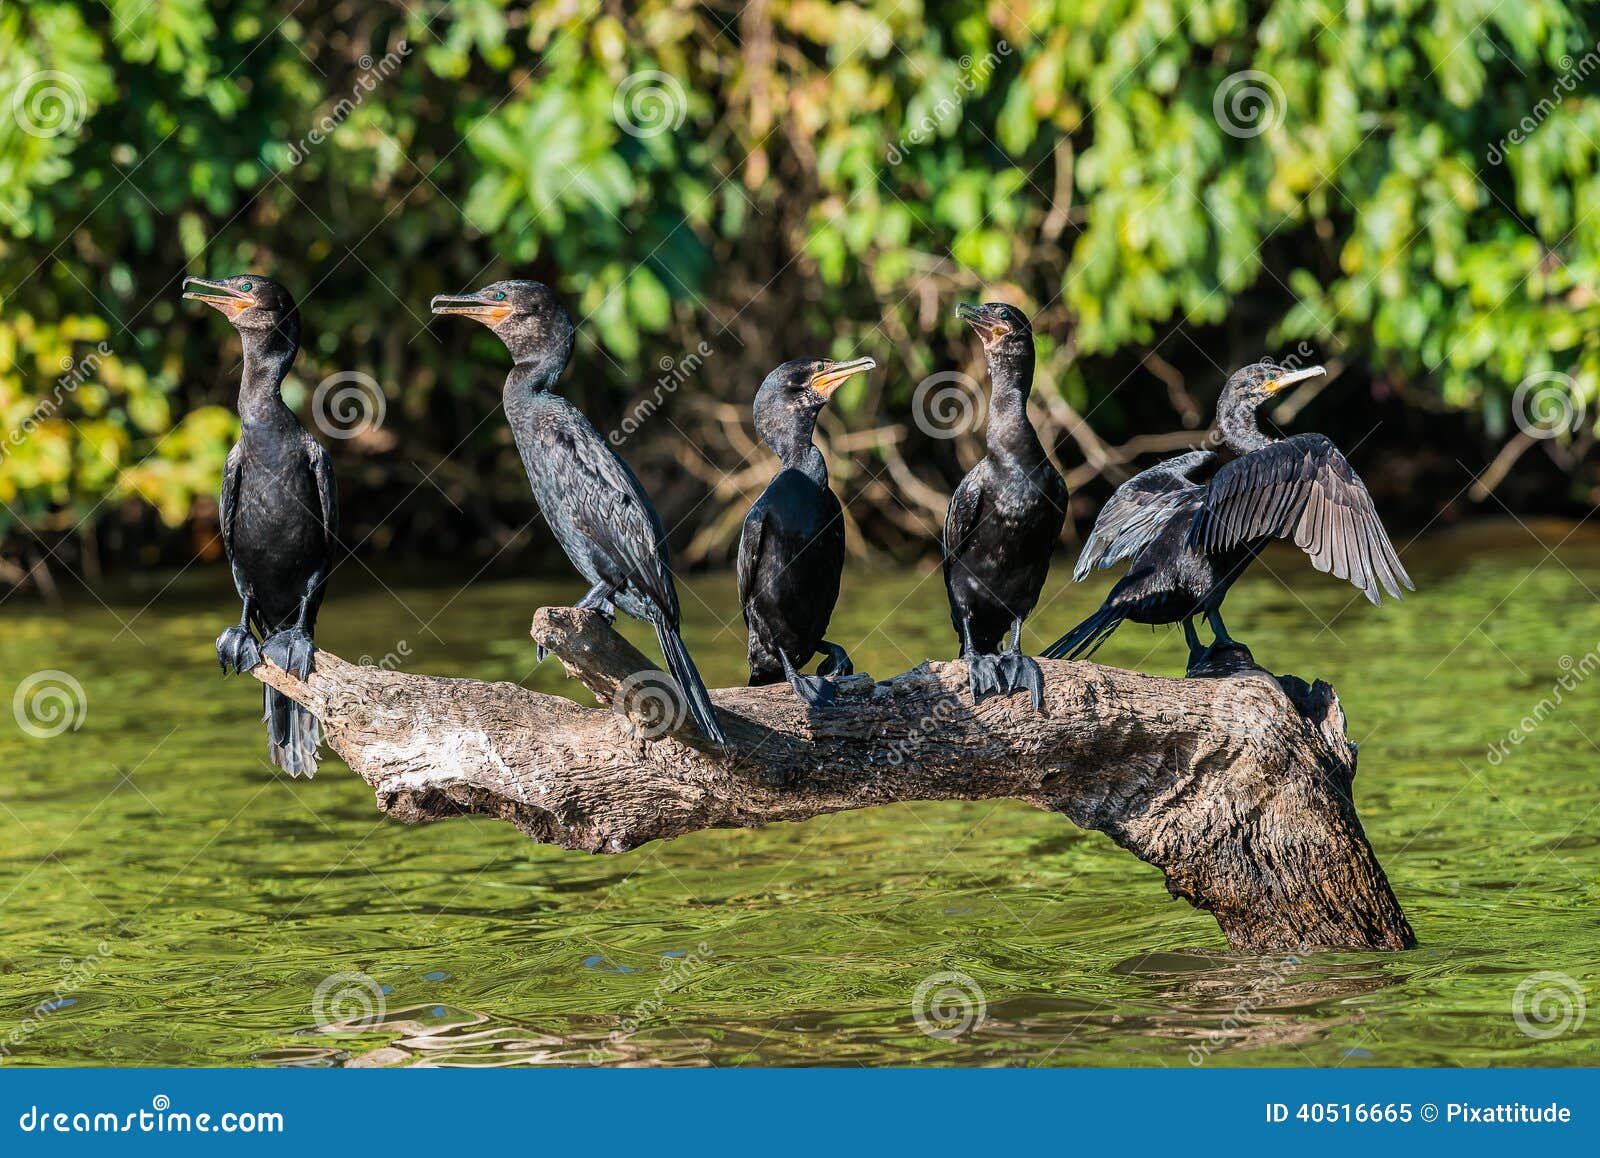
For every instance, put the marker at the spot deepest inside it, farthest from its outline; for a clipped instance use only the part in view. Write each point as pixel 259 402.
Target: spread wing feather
pixel 1302 488
pixel 1135 514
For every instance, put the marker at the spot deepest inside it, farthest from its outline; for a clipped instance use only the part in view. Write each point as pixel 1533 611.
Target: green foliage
pixel 1409 185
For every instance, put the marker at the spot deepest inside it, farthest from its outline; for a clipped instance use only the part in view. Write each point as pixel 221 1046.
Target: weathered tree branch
pixel 1237 788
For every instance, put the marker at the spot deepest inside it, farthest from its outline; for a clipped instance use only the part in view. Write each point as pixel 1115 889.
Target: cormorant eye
pixel 245 286
pixel 500 297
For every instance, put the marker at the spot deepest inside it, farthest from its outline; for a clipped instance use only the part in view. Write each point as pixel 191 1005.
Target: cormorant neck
pixel 791 442
pixel 268 354
pixel 537 372
pixel 1236 424
pixel 1010 434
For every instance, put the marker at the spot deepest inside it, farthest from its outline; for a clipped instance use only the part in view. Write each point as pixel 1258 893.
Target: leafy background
pixel 818 178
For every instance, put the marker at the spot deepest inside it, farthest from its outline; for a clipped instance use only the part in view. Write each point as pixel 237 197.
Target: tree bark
pixel 1238 788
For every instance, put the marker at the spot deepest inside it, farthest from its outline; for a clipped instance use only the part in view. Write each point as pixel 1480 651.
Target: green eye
pixel 500 297
pixel 245 286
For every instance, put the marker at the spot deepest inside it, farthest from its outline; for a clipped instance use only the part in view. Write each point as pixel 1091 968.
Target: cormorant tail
pixel 1086 638
pixel 293 734
pixel 694 688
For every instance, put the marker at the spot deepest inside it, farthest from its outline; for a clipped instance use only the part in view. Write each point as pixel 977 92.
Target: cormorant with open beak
pixel 791 551
pixel 593 502
pixel 1191 532
pixel 279 511
pixel 1004 518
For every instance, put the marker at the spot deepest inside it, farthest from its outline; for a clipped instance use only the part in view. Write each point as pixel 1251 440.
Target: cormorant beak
pixel 219 295
pixel 833 374
pixel 989 328
pixel 472 306
pixel 1283 381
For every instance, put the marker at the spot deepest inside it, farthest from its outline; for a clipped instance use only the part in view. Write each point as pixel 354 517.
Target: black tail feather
pixel 293 734
pixel 1087 637
pixel 694 688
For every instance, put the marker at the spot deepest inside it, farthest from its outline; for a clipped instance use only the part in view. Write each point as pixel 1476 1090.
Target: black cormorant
pixel 1004 518
pixel 279 511
pixel 593 502
pixel 1191 537
pixel 791 551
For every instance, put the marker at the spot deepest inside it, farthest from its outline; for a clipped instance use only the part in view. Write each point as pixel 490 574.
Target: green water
pixel 184 905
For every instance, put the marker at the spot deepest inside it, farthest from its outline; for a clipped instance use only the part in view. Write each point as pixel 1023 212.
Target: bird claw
pixel 816 691
pixel 291 649
pixel 237 650
pixel 1004 675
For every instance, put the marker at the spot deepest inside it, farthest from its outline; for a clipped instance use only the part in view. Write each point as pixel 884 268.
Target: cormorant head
pixel 249 301
pixel 525 315
pixel 1247 388
pixel 1002 327
pixel 798 390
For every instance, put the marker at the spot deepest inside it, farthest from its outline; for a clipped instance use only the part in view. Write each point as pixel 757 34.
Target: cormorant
pixel 791 551
pixel 1190 540
pixel 1004 518
pixel 593 502
pixel 279 511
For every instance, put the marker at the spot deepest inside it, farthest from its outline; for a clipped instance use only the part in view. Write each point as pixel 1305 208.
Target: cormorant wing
pixel 327 493
pixel 609 505
pixel 1302 487
pixel 1140 508
pixel 232 469
pixel 963 514
pixel 750 541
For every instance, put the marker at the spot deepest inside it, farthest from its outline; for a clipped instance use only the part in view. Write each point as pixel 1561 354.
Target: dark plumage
pixel 1004 518
pixel 1190 539
pixel 791 550
pixel 593 502
pixel 279 511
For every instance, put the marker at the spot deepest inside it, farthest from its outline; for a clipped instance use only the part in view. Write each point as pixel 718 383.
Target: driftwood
pixel 1238 788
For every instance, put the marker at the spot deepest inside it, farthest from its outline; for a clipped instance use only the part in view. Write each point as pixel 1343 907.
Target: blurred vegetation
pixel 776 179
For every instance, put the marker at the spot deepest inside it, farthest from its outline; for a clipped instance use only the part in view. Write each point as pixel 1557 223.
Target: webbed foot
pixel 836 661
pixel 237 650
pixel 1004 675
pixel 1221 660
pixel 814 691
pixel 291 649
pixel 598 598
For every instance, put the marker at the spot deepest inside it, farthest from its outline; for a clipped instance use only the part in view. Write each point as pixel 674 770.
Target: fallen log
pixel 1237 787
